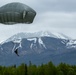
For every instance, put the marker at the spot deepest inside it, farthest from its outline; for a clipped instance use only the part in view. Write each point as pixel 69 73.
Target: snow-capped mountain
pixel 38 47
pixel 37 34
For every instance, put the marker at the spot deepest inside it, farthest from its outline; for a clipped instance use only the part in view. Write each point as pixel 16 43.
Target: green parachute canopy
pixel 15 12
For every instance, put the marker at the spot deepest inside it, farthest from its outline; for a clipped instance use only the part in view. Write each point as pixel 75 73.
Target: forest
pixel 43 69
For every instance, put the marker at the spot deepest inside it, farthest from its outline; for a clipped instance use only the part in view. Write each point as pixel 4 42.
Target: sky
pixel 52 15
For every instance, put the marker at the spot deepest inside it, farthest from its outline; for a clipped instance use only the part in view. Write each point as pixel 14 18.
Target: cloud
pixel 52 15
pixel 57 19
pixel 47 5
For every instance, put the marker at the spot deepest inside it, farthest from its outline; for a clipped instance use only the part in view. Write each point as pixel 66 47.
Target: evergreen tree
pixel 71 72
pixel 25 69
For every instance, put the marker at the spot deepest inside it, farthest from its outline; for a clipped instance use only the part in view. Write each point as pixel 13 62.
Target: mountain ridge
pixel 38 34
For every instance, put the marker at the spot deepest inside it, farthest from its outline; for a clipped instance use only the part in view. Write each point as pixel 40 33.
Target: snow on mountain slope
pixel 32 37
pixel 71 44
pixel 35 40
pixel 60 35
pixel 41 42
pixel 37 34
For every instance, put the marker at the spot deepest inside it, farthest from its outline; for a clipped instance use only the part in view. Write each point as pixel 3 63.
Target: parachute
pixel 16 12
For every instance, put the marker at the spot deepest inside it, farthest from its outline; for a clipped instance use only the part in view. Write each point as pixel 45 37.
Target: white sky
pixel 52 15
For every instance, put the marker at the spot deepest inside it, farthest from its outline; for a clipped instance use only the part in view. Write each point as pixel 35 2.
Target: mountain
pixel 40 47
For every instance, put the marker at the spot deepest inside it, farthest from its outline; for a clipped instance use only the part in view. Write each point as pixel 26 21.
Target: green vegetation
pixel 43 69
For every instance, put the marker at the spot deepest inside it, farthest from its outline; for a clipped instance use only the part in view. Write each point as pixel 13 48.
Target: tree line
pixel 43 69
